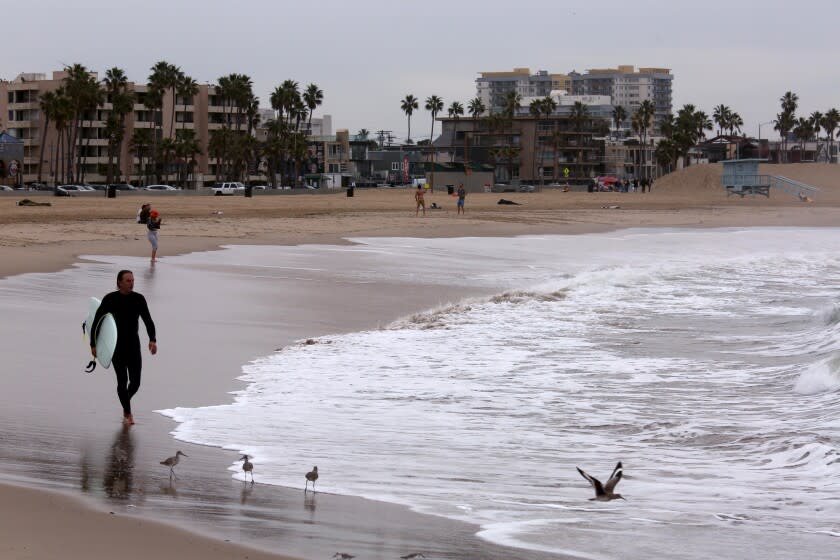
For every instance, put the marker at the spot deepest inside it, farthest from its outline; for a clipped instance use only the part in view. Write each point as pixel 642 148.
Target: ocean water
pixel 707 361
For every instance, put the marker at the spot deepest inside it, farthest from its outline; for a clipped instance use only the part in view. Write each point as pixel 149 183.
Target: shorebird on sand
pixel 311 476
pixel 342 556
pixel 413 556
pixel 171 462
pixel 248 467
pixel 605 493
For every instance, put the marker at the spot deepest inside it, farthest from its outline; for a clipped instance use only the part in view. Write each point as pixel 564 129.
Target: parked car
pixel 96 187
pixel 4 188
pixel 260 187
pixel 72 190
pixel 160 188
pixel 124 187
pixel 527 188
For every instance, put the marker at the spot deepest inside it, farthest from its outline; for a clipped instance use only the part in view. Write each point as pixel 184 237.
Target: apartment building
pixel 20 105
pixel 628 87
pixel 492 87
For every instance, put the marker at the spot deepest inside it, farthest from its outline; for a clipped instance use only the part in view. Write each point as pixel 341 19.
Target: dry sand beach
pixel 55 443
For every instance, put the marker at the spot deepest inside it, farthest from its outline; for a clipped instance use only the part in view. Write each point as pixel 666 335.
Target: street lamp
pixel 759 136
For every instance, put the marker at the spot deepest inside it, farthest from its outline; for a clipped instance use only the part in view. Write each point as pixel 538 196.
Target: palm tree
pixel 141 141
pixel 456 109
pixel 645 114
pixel 85 96
pixel 512 102
pixel 803 131
pixel 786 120
pixel 186 148
pixel 122 103
pixel 784 123
pixel 408 106
pixel 167 76
pixel 48 104
pixel 476 107
pixel 313 97
pixel 816 122
pixel 186 89
pixel 722 115
pixel 167 151
pixel 434 104
pixel 735 123
pixel 619 115
pixel 830 121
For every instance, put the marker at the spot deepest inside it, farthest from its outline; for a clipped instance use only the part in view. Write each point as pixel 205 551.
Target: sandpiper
pixel 342 556
pixel 248 467
pixel 311 476
pixel 172 461
pixel 605 493
pixel 413 556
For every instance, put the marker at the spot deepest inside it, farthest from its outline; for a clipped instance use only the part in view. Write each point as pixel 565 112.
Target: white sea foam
pixel 693 357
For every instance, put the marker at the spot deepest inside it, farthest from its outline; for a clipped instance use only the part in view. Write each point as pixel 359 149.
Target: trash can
pixel 249 191
pixel 111 191
pixel 350 191
pixel 450 189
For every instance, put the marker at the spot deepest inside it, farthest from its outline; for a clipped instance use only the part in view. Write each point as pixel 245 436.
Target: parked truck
pixel 227 189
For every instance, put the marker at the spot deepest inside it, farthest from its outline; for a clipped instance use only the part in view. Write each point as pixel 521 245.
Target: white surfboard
pixel 106 333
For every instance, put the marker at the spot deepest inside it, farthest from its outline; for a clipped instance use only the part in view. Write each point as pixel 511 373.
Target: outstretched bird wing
pixel 615 477
pixel 596 484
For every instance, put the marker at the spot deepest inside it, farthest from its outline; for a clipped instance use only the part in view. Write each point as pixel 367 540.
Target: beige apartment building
pixel 22 117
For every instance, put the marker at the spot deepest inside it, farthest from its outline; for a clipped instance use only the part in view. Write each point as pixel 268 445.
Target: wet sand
pixel 60 427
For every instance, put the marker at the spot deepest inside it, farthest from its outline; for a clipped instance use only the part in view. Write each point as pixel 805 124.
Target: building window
pixel 334 168
pixel 396 166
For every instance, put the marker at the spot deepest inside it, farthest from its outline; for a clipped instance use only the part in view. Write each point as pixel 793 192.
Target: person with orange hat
pixel 153 226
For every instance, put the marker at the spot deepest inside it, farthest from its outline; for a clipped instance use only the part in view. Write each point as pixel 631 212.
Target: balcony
pixel 24 106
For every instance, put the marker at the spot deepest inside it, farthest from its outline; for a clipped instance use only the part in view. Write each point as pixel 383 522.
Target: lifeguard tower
pixel 740 177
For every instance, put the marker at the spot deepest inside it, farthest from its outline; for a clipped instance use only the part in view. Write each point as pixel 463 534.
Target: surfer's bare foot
pixel 128 419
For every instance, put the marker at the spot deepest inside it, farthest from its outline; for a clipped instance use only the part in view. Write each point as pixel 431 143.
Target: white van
pixel 418 182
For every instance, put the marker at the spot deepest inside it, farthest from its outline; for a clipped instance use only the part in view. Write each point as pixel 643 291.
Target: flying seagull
pixel 605 493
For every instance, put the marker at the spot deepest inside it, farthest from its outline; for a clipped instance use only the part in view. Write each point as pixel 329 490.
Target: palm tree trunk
pixel 41 150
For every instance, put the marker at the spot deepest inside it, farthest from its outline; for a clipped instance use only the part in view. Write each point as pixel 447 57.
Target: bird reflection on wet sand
pixel 309 502
pixel 118 477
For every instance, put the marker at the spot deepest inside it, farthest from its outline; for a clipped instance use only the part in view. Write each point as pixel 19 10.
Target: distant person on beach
pixel 127 306
pixel 143 213
pixel 462 195
pixel 421 201
pixel 153 226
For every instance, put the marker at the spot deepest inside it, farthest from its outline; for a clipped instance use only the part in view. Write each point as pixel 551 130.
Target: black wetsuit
pixel 128 363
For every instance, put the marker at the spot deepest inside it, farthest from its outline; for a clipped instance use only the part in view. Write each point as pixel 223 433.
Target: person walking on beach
pixel 143 213
pixel 153 226
pixel 421 201
pixel 462 195
pixel 127 306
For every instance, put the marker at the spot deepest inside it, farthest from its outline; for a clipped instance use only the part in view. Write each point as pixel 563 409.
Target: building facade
pixel 206 112
pixel 628 88
pixel 525 148
pixel 492 87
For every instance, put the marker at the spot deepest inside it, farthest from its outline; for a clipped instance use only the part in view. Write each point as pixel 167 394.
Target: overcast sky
pixel 366 55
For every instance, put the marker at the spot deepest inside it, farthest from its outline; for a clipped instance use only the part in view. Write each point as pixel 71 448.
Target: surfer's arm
pixel 147 320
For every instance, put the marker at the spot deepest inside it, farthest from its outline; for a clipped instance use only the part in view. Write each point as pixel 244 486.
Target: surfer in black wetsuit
pixel 126 306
